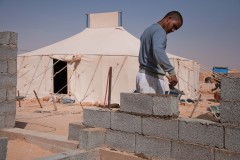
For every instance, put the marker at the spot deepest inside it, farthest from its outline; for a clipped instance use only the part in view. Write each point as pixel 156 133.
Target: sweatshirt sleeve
pixel 159 53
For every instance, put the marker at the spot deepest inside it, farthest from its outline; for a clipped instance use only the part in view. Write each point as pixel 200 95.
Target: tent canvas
pixel 88 56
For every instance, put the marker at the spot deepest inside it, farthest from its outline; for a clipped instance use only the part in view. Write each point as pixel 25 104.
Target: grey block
pixel 136 103
pixel 7 53
pixel 230 112
pixel 3 66
pixel 3 147
pixel 9 121
pixel 12 66
pixel 186 151
pixel 8 80
pixel 8 38
pixel 3 95
pixel 125 122
pixel 230 88
pixel 96 117
pixel 7 108
pixel 232 138
pixel 74 129
pixel 153 147
pixel 221 154
pixel 120 140
pixel 91 138
pixel 201 132
pixel 2 122
pixel 160 127
pixel 165 105
pixel 11 94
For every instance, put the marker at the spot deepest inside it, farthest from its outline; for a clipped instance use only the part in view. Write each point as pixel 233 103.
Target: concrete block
pixel 221 154
pixel 96 117
pixel 7 53
pixel 232 138
pixel 2 118
pixel 126 122
pixel 7 108
pixel 74 129
pixel 230 88
pixel 230 112
pixel 120 140
pixel 8 80
pixel 3 66
pixel 201 132
pixel 8 38
pixel 12 66
pixel 11 94
pixel 9 121
pixel 91 138
pixel 165 106
pixel 3 147
pixel 136 103
pixel 164 128
pixel 186 151
pixel 153 147
pixel 3 95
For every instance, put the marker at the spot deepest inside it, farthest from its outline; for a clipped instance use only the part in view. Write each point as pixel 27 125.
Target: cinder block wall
pixel 8 78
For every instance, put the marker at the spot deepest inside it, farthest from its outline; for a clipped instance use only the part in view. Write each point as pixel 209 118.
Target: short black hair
pixel 175 15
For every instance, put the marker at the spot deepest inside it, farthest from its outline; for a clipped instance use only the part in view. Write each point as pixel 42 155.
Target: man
pixel 153 60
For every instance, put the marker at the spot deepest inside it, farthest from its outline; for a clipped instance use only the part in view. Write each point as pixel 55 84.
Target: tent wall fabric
pixel 89 54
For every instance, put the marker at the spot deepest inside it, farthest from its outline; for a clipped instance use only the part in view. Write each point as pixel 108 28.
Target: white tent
pixel 79 65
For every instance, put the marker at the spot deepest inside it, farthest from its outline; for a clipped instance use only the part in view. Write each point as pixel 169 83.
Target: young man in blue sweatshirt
pixel 153 60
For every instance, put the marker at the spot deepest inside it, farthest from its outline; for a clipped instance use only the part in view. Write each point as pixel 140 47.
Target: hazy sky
pixel 210 33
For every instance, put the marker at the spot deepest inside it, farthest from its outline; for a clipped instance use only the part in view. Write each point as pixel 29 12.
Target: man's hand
pixel 172 80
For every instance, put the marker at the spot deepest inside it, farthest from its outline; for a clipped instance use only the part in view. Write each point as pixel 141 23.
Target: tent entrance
pixel 60 77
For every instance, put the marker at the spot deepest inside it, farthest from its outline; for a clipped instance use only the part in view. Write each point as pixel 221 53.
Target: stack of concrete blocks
pixel 149 125
pixel 8 78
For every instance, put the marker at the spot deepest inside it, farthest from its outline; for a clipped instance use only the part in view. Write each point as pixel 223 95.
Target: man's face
pixel 172 25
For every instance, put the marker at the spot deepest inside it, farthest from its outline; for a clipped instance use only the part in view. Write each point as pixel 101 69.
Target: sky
pixel 210 33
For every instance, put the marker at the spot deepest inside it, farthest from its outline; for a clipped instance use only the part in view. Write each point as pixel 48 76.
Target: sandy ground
pixel 30 116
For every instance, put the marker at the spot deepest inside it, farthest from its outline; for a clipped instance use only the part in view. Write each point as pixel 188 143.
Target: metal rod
pixel 37 98
pixel 109 86
pixel 195 106
pixel 19 99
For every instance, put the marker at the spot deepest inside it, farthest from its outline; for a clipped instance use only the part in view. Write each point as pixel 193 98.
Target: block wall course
pixel 230 88
pixel 232 138
pixel 164 128
pixel 120 140
pixel 96 117
pixel 153 147
pixel 230 112
pixel 149 104
pixel 9 120
pixel 221 154
pixel 126 122
pixel 201 132
pixel 186 151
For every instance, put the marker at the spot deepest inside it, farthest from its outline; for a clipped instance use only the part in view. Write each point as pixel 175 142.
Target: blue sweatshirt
pixel 152 54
